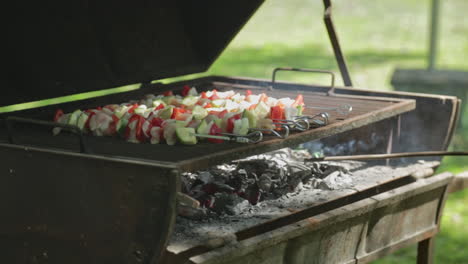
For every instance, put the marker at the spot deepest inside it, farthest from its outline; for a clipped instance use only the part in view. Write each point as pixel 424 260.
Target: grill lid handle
pixel 332 84
pixel 11 120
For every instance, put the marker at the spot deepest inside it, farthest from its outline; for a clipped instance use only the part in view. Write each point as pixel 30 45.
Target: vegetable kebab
pixel 179 118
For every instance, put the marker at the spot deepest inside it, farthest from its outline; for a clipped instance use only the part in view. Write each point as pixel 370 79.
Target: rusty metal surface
pixel 62 207
pixel 357 233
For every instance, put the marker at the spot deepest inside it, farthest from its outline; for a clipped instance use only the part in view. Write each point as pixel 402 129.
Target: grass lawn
pixel 377 37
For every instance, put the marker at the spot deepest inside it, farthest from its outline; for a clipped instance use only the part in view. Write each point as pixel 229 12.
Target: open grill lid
pixel 58 48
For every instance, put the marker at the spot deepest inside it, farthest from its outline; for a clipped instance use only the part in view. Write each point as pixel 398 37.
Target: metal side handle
pixel 11 120
pixel 331 91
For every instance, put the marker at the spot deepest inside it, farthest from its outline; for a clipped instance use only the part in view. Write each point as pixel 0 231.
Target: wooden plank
pixel 426 251
pixel 459 183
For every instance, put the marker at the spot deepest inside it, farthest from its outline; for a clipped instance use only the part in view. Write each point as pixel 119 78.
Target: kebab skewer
pixel 190 115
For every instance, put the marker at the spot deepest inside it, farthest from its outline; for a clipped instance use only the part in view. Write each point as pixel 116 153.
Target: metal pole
pixel 340 59
pixel 434 32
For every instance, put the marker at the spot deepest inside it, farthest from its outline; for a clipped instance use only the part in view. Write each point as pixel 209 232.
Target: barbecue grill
pixel 80 199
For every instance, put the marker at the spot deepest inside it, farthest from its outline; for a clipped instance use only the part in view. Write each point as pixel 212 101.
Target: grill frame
pixel 205 154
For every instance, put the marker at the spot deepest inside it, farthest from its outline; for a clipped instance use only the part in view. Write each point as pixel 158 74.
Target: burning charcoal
pixel 205 177
pixel 207 201
pixel 228 203
pixel 264 182
pixel 253 166
pixel 253 194
pixel 242 172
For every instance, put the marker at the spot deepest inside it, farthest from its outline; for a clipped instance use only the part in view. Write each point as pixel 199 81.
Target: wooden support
pixel 459 183
pixel 425 251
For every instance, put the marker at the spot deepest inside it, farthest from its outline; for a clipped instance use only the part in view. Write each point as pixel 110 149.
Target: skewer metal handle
pixel 70 128
pixel 254 137
pixel 283 135
pixel 332 84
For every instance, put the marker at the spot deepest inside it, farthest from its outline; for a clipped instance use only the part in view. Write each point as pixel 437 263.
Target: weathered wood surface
pixel 459 183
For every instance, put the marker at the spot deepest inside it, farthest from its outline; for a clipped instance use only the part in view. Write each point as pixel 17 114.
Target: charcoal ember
pixel 229 188
pixel 227 203
pixel 216 187
pixel 240 180
pixel 197 191
pixel 252 194
pixel 207 201
pixel 264 182
pixel 253 166
pixel 188 180
pixel 194 213
pixel 205 177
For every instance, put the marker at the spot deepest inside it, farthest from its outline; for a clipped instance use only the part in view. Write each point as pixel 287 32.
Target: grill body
pixel 117 204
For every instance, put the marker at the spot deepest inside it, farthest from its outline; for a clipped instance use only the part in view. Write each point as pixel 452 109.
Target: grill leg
pixel 425 251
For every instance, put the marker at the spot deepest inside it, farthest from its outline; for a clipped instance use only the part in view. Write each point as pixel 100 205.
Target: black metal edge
pixel 142 162
pixel 339 57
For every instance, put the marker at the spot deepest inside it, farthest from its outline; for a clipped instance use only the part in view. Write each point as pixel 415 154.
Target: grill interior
pixel 366 110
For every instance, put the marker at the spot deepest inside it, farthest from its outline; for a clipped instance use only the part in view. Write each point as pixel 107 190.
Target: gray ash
pixel 232 188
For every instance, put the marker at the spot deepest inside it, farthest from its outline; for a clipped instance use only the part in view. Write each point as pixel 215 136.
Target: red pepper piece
pixel 222 113
pixel 263 98
pixel 155 122
pixel 159 107
pixel 299 100
pixel 113 125
pixel 127 129
pixel 214 96
pixel 208 105
pixel 203 95
pixel 177 113
pixel 215 131
pixel 91 114
pixel 230 123
pixel 248 92
pixel 185 90
pixel 115 119
pixel 168 93
pixel 138 128
pixel 276 113
pixel 131 110
pixel 58 114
